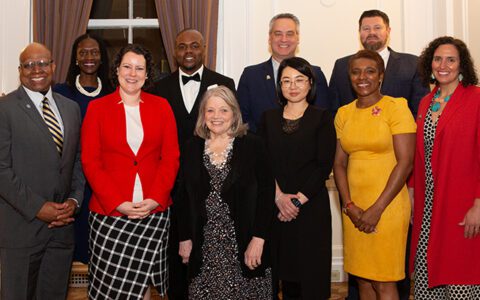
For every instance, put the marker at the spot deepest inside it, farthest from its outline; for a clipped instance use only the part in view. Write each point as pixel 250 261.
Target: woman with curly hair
pixel 446 178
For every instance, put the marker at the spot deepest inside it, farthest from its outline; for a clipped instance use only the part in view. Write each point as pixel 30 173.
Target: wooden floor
pixel 339 291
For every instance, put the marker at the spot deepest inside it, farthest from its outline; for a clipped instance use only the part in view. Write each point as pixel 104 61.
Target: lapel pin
pixel 28 106
pixel 419 116
pixel 268 77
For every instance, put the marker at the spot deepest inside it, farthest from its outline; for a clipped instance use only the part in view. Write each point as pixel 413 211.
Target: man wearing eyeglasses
pixel 41 182
pixel 256 88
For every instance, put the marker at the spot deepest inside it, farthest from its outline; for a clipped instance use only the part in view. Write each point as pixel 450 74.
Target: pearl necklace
pixel 436 103
pixel 86 93
pixel 218 159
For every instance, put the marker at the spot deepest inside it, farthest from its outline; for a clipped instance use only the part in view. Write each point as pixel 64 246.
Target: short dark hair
pixel 368 54
pixel 284 16
pixel 374 13
pixel 302 66
pixel 467 68
pixel 103 69
pixel 140 50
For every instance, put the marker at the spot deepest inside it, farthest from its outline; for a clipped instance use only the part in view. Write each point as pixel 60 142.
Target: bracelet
pixel 346 206
pixel 296 202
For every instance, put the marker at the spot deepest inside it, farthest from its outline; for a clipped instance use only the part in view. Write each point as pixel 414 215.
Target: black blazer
pixel 401 80
pixel 249 191
pixel 169 88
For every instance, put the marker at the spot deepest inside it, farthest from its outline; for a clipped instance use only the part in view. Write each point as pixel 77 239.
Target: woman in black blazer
pixel 226 202
pixel 301 144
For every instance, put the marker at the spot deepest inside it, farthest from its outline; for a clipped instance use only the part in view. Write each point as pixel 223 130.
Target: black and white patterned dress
pixel 422 292
pixel 220 274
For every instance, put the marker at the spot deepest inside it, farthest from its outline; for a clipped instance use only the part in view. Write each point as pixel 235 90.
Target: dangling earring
pixel 460 77
pixel 76 62
pixel 432 76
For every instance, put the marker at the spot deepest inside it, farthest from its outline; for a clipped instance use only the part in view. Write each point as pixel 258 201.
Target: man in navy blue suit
pixel 401 76
pixel 401 79
pixel 256 88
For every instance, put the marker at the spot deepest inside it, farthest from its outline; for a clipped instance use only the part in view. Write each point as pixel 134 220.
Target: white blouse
pixel 134 140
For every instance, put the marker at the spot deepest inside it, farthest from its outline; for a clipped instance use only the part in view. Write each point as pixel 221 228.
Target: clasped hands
pixel 288 211
pixel 365 220
pixel 57 214
pixel 137 210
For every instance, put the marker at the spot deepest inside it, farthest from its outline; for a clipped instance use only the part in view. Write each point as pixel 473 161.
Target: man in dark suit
pixel 41 182
pixel 256 88
pixel 401 79
pixel 184 89
pixel 401 76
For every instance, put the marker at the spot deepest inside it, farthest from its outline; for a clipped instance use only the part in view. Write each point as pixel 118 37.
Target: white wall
pixel 329 30
pixel 14 36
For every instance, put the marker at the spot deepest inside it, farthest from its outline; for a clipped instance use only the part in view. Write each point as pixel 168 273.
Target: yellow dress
pixel 366 135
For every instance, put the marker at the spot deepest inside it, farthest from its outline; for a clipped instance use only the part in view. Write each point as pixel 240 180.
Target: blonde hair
pixel 238 128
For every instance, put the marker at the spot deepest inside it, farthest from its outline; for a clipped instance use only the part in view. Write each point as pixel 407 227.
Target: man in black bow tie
pixel 184 89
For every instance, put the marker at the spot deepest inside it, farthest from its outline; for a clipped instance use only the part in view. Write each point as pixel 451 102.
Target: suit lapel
pixel 390 68
pixel 269 80
pixel 27 105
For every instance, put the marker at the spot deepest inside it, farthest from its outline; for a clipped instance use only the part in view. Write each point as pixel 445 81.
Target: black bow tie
pixel 186 79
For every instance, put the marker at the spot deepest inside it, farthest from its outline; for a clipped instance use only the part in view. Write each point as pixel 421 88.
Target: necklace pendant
pixel 435 106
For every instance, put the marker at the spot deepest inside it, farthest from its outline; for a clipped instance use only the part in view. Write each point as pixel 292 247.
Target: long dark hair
pixel 302 66
pixel 103 69
pixel 467 68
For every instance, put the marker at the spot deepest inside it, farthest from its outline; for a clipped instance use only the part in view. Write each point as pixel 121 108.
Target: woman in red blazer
pixel 130 157
pixel 445 240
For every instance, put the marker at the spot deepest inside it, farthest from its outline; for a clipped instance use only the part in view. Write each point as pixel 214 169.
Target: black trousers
pixel 177 271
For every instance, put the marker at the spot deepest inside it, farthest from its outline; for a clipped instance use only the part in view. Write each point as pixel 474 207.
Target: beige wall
pixel 14 35
pixel 328 31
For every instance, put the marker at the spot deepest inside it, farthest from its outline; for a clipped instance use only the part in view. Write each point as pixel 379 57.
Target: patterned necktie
pixel 53 125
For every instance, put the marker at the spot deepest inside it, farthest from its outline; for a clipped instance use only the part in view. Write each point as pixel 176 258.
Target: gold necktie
pixel 53 125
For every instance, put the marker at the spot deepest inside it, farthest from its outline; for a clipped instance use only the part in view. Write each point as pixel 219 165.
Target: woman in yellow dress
pixel 374 156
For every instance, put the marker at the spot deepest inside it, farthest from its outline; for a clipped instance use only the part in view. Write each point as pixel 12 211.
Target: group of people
pixel 208 192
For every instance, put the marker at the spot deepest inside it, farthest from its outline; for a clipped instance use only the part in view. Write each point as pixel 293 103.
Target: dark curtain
pixel 202 15
pixel 57 23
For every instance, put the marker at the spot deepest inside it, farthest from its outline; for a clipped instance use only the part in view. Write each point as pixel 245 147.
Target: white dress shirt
pixel 190 89
pixel 37 99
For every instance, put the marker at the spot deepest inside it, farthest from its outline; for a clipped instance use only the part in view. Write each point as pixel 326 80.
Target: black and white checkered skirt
pixel 127 255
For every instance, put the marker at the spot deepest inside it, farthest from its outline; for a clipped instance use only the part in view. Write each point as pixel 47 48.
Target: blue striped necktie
pixel 53 125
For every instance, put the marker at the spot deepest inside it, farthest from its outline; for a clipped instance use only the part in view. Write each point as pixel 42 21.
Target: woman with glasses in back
pixel 301 142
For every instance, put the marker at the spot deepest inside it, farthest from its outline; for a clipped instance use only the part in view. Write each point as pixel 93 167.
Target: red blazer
pixel 110 165
pixel 451 258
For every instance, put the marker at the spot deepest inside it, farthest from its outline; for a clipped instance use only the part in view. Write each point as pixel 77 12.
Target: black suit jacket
pixel 169 88
pixel 32 171
pixel 248 190
pixel 401 80
pixel 257 94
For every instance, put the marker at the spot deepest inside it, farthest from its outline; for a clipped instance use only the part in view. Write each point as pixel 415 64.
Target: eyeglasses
pixel 42 64
pixel 299 82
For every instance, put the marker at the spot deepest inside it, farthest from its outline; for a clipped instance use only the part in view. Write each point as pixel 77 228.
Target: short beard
pixel 373 47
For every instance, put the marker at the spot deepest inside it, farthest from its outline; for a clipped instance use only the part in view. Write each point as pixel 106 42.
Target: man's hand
pixel 57 214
